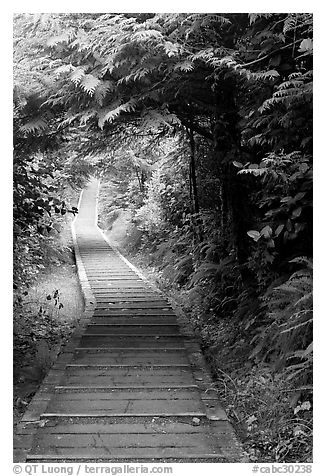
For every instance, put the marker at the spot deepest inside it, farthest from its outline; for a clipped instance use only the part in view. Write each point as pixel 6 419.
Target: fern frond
pixel 65 37
pixel 138 74
pixel 253 17
pixel 110 114
pixel 147 35
pixel 35 125
pixel 204 55
pixel 87 115
pixel 77 75
pixel 303 260
pixel 102 90
pixel 172 49
pixel 184 66
pixel 297 326
pixel 66 68
pixel 89 83
pixel 292 83
pixel 290 22
pixel 265 75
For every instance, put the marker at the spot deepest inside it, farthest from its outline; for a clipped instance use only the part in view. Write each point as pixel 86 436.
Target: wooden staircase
pixel 129 386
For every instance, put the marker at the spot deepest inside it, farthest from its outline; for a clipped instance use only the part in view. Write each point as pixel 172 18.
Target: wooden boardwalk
pixel 128 386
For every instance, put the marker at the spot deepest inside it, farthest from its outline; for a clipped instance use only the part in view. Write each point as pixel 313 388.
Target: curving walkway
pixel 129 385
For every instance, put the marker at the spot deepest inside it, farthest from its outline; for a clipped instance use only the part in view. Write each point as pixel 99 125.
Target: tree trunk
pixel 193 171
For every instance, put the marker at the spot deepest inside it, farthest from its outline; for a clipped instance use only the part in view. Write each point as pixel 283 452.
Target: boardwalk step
pixel 132 329
pixel 132 299
pixel 135 326
pixel 134 320
pixel 129 376
pixel 128 366
pixel 133 312
pixel 129 358
pixel 64 388
pixel 138 349
pixel 114 414
pixel 125 340
pixel 132 305
pixel 151 439
pixel 96 455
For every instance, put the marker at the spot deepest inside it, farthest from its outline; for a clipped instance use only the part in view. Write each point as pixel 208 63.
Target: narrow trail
pixel 129 385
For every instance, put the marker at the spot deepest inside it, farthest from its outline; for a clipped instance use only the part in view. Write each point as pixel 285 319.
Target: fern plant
pixel 286 338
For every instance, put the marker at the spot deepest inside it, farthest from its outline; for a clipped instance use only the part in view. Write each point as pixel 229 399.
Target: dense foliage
pixel 215 116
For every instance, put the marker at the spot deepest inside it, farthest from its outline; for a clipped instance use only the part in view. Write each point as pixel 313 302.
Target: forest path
pixel 129 385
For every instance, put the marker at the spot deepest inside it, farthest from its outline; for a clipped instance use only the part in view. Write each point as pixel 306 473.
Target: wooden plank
pixel 127 372
pixel 131 319
pixel 164 305
pixel 138 337
pixel 129 394
pixel 130 359
pixel 130 341
pixel 113 277
pixel 129 293
pixel 133 348
pixel 111 271
pixel 112 274
pixel 124 407
pixel 132 365
pixel 132 325
pixel 118 285
pixel 151 455
pixel 131 351
pixel 136 299
pixel 131 380
pixel 99 388
pixel 131 428
pixel 117 296
pixel 123 442
pixel 104 415
pixel 157 334
pixel 134 312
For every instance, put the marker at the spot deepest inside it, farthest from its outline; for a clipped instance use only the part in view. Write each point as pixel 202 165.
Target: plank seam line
pixel 124 387
pixel 122 415
pixel 131 366
pixel 126 457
